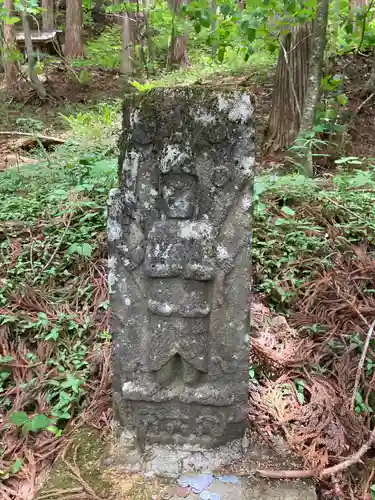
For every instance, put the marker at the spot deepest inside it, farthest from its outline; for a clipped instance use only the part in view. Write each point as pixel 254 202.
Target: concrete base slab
pixel 171 461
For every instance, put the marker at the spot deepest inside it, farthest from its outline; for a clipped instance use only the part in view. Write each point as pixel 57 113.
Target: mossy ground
pixel 85 454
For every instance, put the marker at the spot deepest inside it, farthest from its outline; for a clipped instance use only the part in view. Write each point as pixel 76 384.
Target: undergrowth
pixel 314 264
pixel 53 301
pixel 300 224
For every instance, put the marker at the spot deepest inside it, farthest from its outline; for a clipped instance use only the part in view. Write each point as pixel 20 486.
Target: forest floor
pixel 312 365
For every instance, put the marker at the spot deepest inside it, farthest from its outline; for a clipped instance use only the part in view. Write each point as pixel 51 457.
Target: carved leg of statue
pixel 220 287
pixel 189 373
pixel 166 373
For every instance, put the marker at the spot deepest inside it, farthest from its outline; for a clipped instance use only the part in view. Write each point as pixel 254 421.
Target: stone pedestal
pixel 179 230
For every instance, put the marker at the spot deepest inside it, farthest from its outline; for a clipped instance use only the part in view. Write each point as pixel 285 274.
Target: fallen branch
pixel 329 471
pixel 361 363
pixel 60 493
pixel 10 133
pixel 74 470
pixel 365 102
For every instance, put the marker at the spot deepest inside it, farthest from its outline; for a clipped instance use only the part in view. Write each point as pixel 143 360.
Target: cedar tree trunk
pixel 312 97
pixel 48 21
pixel 74 30
pixel 292 75
pixel 178 49
pixel 31 61
pixel 127 65
pixel 10 67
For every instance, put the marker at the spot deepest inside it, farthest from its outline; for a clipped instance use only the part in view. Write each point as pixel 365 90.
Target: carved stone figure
pixel 179 231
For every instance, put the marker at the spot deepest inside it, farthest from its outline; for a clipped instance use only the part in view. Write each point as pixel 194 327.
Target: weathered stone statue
pixel 179 239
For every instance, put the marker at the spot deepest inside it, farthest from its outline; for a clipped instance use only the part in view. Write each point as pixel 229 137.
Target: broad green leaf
pixel 17 465
pixel 358 397
pixel 288 210
pixel 221 53
pixel 40 422
pixel 251 34
pixel 19 418
pixel 342 99
pixel 84 249
pixel 53 335
pixel 12 20
pixel 348 159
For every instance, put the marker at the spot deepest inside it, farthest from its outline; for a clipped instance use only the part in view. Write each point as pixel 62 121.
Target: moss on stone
pixel 109 483
pixel 90 449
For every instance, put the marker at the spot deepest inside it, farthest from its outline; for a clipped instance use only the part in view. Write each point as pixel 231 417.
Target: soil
pixel 362 127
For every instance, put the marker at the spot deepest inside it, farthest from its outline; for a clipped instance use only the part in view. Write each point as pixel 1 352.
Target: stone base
pixel 95 462
pixel 171 461
pixel 259 489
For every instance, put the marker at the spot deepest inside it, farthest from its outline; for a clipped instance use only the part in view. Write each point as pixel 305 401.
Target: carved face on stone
pixel 179 195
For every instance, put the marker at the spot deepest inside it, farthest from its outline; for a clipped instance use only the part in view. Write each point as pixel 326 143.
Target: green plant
pixel 30 124
pixel 85 77
pixel 300 386
pixel 12 470
pixel 96 129
pixel 360 404
pixel 292 218
pixel 35 423
pixel 104 51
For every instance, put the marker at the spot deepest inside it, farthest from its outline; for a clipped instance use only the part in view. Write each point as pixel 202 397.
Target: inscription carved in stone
pixel 179 240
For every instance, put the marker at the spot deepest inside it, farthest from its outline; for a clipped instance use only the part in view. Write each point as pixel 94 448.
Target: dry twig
pixel 11 133
pixel 361 363
pixel 327 472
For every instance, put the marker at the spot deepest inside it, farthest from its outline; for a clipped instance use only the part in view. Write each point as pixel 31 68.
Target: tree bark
pixel 118 17
pixel 178 48
pixel 311 100
pixel 127 64
pixel 213 27
pixel 31 61
pixel 97 10
pixel 292 75
pixel 147 31
pixel 74 30
pixel 370 85
pixel 48 18
pixel 10 67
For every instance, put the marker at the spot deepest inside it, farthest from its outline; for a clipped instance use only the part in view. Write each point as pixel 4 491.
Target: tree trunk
pixel 31 61
pixel 1 49
pixel 118 15
pixel 74 31
pixel 213 27
pixel 10 67
pixel 178 48
pixel 48 21
pixel 311 100
pixel 370 85
pixel 292 75
pixel 127 64
pixel 147 32
pixel 96 11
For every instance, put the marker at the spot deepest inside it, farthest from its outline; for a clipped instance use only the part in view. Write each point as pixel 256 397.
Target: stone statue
pixel 179 231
